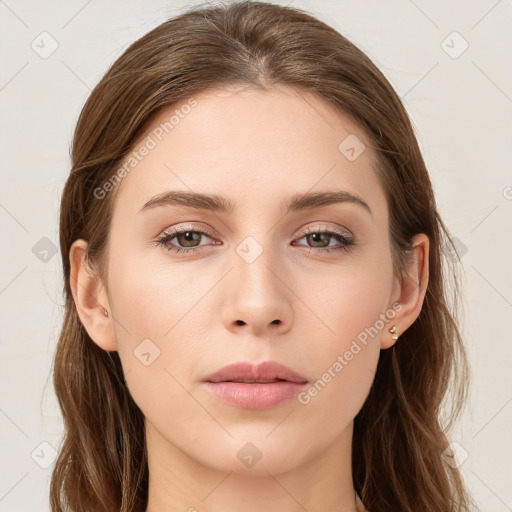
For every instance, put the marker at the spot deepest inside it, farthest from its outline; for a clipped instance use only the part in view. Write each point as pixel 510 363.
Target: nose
pixel 258 297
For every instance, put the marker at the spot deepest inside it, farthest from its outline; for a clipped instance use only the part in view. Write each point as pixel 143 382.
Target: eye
pixel 189 240
pixel 321 240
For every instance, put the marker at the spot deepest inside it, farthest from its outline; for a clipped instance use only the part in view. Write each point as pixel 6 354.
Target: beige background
pixel 460 102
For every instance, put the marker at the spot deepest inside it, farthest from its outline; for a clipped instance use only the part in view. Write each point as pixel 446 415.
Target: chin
pixel 256 454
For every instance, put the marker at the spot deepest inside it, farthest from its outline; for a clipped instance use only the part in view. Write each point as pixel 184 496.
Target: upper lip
pixel 267 371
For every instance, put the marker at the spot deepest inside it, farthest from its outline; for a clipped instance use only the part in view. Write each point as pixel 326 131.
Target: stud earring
pixel 394 332
pixel 105 312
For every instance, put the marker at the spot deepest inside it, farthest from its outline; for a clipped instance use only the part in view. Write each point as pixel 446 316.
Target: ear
pixel 410 291
pixel 90 298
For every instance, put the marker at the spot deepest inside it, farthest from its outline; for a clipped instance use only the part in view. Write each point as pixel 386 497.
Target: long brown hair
pixel 399 440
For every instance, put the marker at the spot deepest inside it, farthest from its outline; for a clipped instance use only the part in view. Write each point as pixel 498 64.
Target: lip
pixel 255 386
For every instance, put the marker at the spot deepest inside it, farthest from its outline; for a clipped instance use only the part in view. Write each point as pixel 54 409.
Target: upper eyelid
pixel 182 229
pixel 344 232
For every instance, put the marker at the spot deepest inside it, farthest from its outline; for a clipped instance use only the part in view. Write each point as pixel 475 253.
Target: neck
pixel 180 483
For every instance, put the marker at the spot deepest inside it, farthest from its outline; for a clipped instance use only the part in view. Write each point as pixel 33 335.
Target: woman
pixel 256 314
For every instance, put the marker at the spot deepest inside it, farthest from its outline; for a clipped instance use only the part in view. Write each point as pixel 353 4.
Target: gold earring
pixel 394 332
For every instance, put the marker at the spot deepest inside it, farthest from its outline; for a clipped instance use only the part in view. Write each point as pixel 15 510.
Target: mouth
pixel 258 387
pixel 264 373
pixel 258 381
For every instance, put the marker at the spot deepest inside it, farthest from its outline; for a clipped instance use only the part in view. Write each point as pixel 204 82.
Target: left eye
pixel 186 236
pixel 189 240
pixel 320 236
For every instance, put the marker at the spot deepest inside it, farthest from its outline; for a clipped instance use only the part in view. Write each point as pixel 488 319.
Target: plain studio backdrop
pixel 451 65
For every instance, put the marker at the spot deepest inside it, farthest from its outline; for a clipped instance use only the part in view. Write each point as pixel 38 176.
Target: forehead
pixel 250 145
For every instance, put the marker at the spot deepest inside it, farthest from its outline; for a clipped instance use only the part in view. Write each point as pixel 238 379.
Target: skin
pixel 255 148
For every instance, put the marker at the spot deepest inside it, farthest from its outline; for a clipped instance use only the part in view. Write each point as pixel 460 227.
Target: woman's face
pixel 263 283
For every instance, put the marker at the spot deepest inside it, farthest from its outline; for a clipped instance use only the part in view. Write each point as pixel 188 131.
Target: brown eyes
pixel 189 240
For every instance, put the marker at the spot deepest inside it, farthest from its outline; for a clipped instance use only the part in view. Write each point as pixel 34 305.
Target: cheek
pixel 332 401
pixel 351 304
pixel 151 299
pixel 346 299
pixel 161 327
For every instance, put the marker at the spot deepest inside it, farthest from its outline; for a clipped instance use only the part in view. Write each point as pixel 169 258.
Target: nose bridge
pixel 257 296
pixel 256 265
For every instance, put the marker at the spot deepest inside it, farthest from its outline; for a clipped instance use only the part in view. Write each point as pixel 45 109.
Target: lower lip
pixel 256 396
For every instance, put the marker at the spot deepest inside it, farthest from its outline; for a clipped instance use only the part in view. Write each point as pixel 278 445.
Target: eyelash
pixel 342 238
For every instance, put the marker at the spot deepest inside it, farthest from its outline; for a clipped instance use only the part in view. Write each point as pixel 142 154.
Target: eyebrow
pixel 216 203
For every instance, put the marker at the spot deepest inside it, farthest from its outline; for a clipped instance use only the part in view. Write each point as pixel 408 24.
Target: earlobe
pixel 413 288
pixel 90 298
